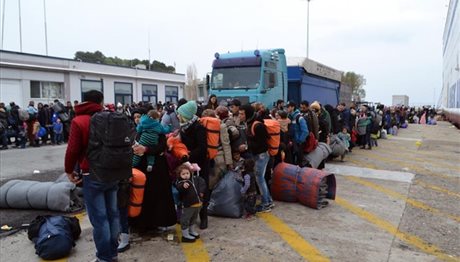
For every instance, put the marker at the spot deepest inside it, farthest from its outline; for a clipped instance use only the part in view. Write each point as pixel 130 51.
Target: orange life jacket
pixel 212 126
pixel 137 193
pixel 178 149
pixel 273 129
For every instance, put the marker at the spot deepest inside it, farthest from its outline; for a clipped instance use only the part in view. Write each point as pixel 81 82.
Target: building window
pixel 88 85
pixel 39 89
pixel 123 93
pixel 149 93
pixel 172 94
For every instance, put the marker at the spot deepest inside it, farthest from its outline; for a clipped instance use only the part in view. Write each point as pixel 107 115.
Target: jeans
pixel 101 206
pixel 57 138
pixel 261 161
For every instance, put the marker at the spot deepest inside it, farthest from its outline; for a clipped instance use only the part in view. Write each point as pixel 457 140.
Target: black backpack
pixel 110 154
pixel 54 236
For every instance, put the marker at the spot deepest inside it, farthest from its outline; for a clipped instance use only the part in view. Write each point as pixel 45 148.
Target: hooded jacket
pixel 79 137
pixel 298 131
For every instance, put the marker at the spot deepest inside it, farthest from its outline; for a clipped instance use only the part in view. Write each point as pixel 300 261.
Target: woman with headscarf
pixel 158 210
pixel 193 135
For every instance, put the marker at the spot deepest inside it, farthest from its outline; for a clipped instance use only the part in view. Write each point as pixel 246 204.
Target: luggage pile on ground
pixel 314 158
pixel 311 187
pixel 54 236
pixel 25 194
pixel 226 199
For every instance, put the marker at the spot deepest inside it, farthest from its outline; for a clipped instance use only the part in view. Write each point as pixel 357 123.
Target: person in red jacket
pixel 100 197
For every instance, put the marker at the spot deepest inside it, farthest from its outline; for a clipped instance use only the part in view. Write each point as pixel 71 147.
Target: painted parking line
pixel 409 156
pixel 194 252
pixel 295 241
pixel 410 201
pixel 417 182
pixel 420 170
pixel 393 230
pixel 436 188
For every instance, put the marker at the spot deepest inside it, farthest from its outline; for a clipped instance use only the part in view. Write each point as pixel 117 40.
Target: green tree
pixel 356 82
pixel 96 57
pixel 99 57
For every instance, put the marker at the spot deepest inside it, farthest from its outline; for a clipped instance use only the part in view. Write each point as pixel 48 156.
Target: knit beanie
pixel 187 110
pixel 248 111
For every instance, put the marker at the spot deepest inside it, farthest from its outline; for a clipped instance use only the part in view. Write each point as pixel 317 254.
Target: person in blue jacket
pixel 298 132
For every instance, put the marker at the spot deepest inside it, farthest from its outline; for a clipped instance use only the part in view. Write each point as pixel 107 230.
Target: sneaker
pixel 271 205
pixel 263 209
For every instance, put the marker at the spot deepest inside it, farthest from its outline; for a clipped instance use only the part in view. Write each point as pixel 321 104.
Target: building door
pixel 11 91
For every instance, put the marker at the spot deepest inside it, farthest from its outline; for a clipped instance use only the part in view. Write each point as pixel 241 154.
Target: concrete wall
pixel 17 70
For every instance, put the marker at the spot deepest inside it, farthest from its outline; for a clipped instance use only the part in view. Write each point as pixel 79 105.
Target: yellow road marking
pixel 195 252
pixel 436 188
pixel 300 245
pixel 408 155
pixel 422 170
pixel 388 227
pixel 394 194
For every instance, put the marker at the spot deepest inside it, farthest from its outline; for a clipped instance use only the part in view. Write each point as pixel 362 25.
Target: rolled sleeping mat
pixel 63 197
pixel 136 197
pixel 283 186
pixel 17 195
pixel 308 186
pixel 38 195
pixel 337 146
pixel 4 191
pixel 314 158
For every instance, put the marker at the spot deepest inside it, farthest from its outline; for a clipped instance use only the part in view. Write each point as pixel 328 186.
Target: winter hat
pixel 187 110
pixel 315 106
pixel 248 111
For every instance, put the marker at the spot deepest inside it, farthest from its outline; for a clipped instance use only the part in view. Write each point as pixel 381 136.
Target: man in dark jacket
pixel 100 198
pixel 257 145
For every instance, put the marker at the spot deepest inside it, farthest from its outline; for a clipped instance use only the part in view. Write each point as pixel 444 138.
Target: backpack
pixel 274 131
pixel 311 142
pixel 212 126
pixel 110 154
pixel 23 114
pixel 54 236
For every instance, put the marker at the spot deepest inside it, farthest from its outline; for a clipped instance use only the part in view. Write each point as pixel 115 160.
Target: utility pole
pixel 3 23
pixel 149 49
pixel 46 30
pixel 308 26
pixel 20 26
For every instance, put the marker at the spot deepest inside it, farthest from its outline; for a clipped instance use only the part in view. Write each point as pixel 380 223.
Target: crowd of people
pixel 173 150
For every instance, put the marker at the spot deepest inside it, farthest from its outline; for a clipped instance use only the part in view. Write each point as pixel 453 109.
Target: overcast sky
pixel 395 44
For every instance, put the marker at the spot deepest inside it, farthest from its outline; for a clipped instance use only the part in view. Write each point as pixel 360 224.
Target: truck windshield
pixel 236 78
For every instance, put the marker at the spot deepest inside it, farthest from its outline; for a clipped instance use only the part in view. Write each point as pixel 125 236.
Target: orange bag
pixel 273 129
pixel 137 193
pixel 178 149
pixel 212 126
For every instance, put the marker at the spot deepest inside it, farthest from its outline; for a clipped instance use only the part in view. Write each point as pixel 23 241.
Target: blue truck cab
pixel 267 75
pixel 250 76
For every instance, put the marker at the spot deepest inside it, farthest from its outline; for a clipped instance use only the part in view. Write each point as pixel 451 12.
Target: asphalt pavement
pixel 396 202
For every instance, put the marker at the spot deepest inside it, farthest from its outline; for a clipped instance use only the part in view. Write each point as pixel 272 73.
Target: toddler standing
pixel 191 191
